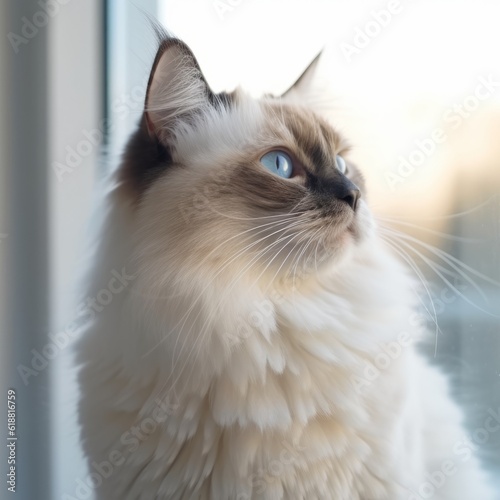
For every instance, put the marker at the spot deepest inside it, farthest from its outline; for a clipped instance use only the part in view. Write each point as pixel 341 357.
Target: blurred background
pixel 415 86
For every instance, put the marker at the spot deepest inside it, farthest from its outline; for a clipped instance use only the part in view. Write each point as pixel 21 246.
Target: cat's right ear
pixel 305 82
pixel 177 89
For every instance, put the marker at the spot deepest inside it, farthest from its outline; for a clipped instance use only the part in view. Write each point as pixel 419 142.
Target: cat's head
pixel 225 183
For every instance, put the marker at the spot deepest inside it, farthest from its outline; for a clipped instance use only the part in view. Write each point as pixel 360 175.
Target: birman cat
pixel 233 366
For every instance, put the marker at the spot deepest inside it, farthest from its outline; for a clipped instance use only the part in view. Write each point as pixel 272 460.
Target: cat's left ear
pixel 304 83
pixel 177 89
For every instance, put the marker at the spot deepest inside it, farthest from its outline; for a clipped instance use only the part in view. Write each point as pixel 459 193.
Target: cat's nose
pixel 351 197
pixel 339 188
pixel 345 190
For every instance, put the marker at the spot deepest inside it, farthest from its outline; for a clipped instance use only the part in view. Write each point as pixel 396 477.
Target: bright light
pixel 395 72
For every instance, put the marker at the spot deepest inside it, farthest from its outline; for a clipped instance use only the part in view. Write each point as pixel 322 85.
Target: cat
pixel 263 347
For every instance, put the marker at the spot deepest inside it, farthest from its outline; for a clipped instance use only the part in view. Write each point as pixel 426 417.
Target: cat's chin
pixel 334 251
pixel 342 244
pixel 354 233
pixel 362 227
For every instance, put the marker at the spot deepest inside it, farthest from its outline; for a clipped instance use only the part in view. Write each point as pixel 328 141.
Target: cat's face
pixel 259 189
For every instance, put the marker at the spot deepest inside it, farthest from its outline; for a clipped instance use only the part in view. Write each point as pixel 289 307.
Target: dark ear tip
pixel 166 38
pixel 166 41
pixel 172 58
pixel 159 30
pixel 318 56
pixel 310 69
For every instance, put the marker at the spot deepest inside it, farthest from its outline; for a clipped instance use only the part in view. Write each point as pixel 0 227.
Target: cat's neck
pixel 232 340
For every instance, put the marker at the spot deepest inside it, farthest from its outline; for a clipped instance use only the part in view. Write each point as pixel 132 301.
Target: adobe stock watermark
pixel 83 148
pixel 363 36
pixel 260 318
pixel 87 311
pixel 420 322
pixel 454 117
pixel 388 352
pixel 260 480
pixel 438 303
pixel 256 319
pixel 262 315
pixel 31 27
pixel 93 138
pixel 223 7
pixel 202 199
pixel 129 443
pixel 462 451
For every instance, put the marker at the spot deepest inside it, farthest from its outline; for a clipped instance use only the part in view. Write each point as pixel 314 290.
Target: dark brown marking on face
pixel 318 143
pixel 265 191
pixel 315 139
pixel 319 157
pixel 146 157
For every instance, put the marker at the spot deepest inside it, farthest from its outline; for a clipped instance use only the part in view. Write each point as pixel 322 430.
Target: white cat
pixel 264 347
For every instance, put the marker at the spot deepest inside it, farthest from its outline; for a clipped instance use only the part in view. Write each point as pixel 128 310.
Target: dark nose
pixel 351 197
pixel 339 187
pixel 345 190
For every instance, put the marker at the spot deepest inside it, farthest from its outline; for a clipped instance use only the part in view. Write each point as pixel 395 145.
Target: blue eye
pixel 279 163
pixel 341 165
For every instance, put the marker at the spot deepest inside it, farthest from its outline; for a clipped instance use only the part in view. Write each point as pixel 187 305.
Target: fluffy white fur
pixel 202 383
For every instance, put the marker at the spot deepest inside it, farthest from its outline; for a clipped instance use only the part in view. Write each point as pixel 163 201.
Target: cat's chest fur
pixel 288 409
pixel 314 394
pixel 208 377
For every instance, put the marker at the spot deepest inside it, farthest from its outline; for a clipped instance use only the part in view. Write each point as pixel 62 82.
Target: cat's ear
pixel 177 89
pixel 305 82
